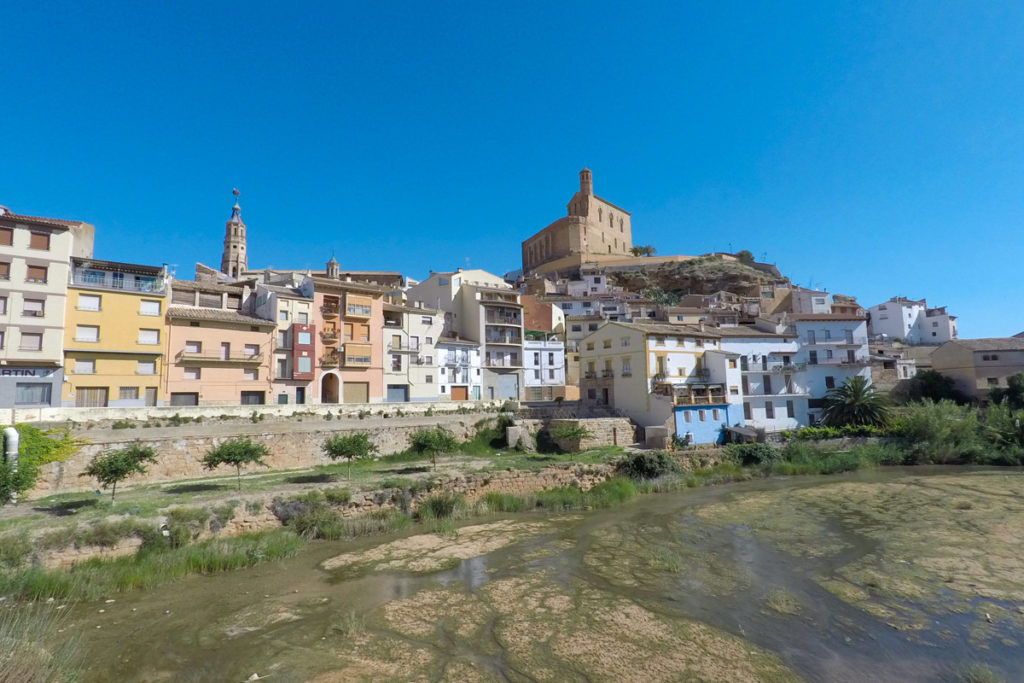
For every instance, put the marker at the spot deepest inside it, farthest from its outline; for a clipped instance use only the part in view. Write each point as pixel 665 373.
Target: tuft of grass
pixel 664 559
pixel 351 624
pixel 23 630
pixel 782 601
pixel 338 496
pixel 97 577
pixel 606 494
pixel 254 507
pixel 442 506
pixel 977 673
pixel 503 502
pixel 14 549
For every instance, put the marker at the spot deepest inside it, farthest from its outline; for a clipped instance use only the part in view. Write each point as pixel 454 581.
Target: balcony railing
pixel 774 368
pixel 404 348
pixel 456 360
pixel 834 362
pixel 506 340
pixel 503 363
pixel 329 312
pixel 137 284
pixel 329 337
pixel 329 361
pixel 497 319
pixel 213 358
pixel 590 375
pixel 841 341
pixel 691 395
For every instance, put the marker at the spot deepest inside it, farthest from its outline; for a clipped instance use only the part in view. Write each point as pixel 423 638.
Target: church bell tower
pixel 233 261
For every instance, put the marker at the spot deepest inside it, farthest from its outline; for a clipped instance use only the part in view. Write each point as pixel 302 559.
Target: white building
pixel 810 301
pixel 411 364
pixel 483 308
pixel 911 321
pixel 834 348
pixel 35 268
pixel 543 369
pixel 459 371
pixel 774 384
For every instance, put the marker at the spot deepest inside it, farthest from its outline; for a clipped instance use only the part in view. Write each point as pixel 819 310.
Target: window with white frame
pixel 85 367
pixel 251 374
pixel 88 302
pixel 145 367
pixel 87 333
pixel 149 307
pixel 149 337
pixel 192 373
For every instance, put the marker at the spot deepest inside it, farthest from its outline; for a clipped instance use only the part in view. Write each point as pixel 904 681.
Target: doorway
pixel 300 395
pixel 329 389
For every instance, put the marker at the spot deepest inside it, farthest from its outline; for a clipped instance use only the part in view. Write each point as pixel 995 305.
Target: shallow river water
pixel 893 574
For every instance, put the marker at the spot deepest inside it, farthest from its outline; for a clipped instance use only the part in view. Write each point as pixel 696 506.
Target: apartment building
pixel 544 369
pixel 460 371
pixel 289 304
pixel 114 335
pixel 664 375
pixel 481 307
pixel 216 353
pixel 833 348
pixel 35 265
pixel 912 321
pixel 773 384
pixel 979 365
pixel 351 315
pixel 412 367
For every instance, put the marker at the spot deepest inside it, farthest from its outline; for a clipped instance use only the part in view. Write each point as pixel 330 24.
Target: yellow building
pixel 115 334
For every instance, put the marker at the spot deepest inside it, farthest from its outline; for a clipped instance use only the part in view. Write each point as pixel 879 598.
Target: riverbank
pixel 777 578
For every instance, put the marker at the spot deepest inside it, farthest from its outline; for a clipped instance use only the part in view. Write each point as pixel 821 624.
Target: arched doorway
pixel 329 388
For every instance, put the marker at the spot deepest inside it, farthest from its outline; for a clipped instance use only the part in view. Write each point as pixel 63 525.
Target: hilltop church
pixel 594 230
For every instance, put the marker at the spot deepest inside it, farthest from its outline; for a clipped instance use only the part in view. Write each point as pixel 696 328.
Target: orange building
pixel 350 316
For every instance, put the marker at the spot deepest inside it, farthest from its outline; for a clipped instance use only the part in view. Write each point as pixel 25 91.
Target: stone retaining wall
pixel 292 446
pixel 472 486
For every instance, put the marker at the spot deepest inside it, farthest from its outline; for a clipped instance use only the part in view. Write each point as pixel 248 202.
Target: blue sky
pixel 874 149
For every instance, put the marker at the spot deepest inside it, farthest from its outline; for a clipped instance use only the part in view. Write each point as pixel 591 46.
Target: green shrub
pixel 503 502
pixel 647 465
pixel 747 454
pixel 36 448
pixel 441 505
pixel 123 424
pixel 338 496
pixel 14 548
pixel 432 442
pixel 941 433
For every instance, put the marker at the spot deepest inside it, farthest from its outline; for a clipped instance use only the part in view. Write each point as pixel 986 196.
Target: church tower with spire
pixel 233 261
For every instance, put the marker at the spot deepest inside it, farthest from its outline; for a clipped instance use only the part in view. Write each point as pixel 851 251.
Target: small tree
pixel 432 442
pixel 237 452
pixel 645 250
pixel 744 256
pixel 110 467
pixel 349 446
pixel 569 433
pixel 1012 395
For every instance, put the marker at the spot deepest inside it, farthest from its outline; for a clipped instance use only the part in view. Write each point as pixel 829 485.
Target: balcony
pixel 329 312
pixel 607 374
pixel 512 362
pixel 495 318
pixel 357 355
pixel 457 360
pixel 774 368
pixel 390 322
pixel 506 340
pixel 404 348
pixel 138 283
pixel 198 357
pixel 844 341
pixel 841 362
pixel 692 395
pixel 590 375
pixel 329 361
pixel 329 337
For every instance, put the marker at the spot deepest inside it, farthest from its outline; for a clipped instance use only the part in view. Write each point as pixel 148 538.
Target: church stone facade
pixel 593 230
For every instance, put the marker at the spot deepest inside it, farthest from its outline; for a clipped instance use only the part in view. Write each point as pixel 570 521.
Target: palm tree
pixel 855 402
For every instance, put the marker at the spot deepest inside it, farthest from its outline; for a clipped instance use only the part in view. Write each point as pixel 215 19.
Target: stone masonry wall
pixel 293 445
